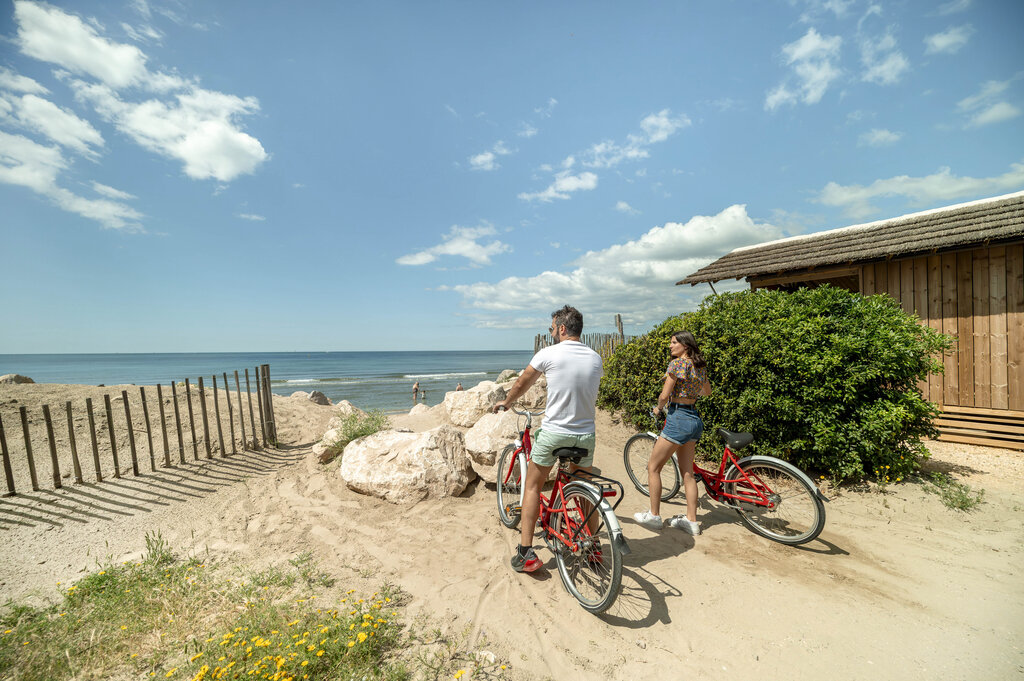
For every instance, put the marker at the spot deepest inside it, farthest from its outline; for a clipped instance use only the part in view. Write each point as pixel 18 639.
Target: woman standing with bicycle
pixel 685 380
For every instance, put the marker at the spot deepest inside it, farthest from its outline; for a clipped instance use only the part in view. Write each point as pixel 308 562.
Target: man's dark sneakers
pixel 527 563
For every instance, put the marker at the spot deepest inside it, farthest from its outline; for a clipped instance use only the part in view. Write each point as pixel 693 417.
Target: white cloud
pixel 28 164
pixel 812 59
pixel 527 130
pixel 660 126
pixel 940 187
pixel 142 34
pixel 460 242
pixel 18 83
pixel 949 41
pixel 198 129
pixel 549 106
pixel 656 128
pixel 484 161
pixel 54 36
pixel 487 160
pixel 879 137
pixel 110 192
pixel 987 106
pixel 636 278
pixel 565 183
pixel 252 217
pixel 954 6
pixel 998 112
pixel 624 207
pixel 60 125
pixel 884 63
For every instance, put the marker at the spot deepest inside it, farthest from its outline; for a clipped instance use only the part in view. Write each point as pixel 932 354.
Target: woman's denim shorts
pixel 682 424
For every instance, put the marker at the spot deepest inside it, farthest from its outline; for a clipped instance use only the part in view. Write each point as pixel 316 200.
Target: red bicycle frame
pixel 755 491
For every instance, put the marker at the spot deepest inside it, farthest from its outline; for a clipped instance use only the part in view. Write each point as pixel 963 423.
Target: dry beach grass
pixel 897 587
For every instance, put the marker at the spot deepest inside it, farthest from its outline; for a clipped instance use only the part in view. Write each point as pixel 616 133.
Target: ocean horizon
pixel 368 379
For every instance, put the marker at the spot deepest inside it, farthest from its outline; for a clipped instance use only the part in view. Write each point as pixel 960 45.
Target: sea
pixel 369 380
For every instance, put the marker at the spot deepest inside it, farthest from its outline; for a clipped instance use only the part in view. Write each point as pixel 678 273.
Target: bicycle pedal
pixel 513 510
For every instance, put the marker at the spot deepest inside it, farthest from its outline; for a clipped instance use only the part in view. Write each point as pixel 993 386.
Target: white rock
pixel 345 408
pixel 486 440
pixel 300 393
pixel 8 379
pixel 419 409
pixel 318 397
pixel 407 467
pixel 506 375
pixel 465 407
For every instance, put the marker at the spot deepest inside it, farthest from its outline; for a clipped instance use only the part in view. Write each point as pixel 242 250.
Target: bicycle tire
pixel 635 456
pixel 592 573
pixel 798 515
pixel 508 492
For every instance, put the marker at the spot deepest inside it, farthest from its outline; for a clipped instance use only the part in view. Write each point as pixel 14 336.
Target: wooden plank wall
pixel 976 296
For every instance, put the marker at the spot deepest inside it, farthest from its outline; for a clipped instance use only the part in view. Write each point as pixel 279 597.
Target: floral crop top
pixel 689 379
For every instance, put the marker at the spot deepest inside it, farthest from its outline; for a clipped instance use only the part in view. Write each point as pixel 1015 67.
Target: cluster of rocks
pixel 13 379
pixel 403 466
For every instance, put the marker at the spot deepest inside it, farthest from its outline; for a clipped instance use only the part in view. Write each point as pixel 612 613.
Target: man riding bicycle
pixel 573 374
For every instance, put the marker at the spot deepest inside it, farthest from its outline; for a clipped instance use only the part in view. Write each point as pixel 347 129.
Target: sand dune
pixel 897 586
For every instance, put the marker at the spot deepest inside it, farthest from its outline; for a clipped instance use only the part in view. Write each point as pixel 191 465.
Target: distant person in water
pixel 459 387
pixel 415 390
pixel 424 394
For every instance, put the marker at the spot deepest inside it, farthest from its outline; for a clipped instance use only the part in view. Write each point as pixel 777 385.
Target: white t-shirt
pixel 574 373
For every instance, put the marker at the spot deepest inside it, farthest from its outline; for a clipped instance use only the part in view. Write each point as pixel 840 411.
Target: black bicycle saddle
pixel 735 441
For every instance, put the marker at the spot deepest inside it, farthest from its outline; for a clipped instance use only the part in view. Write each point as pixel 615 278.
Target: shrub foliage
pixel 824 378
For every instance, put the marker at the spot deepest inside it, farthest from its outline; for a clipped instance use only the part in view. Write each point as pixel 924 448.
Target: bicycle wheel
pixel 796 515
pixel 635 457
pixel 593 572
pixel 508 485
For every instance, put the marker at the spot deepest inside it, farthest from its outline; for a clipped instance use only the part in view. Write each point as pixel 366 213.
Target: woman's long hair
pixel 692 351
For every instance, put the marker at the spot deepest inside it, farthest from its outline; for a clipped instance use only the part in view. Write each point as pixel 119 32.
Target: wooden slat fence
pixel 603 344
pixel 977 296
pixel 105 449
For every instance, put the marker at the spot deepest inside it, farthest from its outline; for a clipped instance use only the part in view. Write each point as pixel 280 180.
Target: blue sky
pixel 249 176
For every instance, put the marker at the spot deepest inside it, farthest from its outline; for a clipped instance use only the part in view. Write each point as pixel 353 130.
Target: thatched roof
pixel 994 220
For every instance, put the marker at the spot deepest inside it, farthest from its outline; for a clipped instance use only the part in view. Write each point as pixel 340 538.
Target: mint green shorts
pixel 546 442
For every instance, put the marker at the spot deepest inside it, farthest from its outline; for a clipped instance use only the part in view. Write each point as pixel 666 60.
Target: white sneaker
pixel 649 520
pixel 681 522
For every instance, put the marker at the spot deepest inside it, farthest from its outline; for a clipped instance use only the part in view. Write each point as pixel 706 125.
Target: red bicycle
pixel 576 522
pixel 774 498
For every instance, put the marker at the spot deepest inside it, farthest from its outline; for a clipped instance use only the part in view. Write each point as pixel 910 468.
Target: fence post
pixel 216 409
pixel 252 420
pixel 131 433
pixel 259 405
pixel 177 421
pixel 113 440
pixel 74 445
pixel 231 418
pixel 241 412
pixel 206 422
pixel 191 420
pixel 163 424
pixel 269 397
pixel 28 449
pixel 8 473
pixel 53 447
pixel 149 430
pixel 92 437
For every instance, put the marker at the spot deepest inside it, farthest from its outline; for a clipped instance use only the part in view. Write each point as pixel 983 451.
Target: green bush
pixel 824 378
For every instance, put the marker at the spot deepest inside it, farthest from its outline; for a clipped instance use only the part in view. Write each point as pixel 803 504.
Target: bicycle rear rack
pixel 607 488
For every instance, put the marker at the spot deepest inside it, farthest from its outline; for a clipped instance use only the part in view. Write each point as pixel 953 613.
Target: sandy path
pixel 897 587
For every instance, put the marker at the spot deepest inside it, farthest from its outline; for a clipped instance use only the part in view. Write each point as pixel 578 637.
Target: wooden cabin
pixel 960 269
